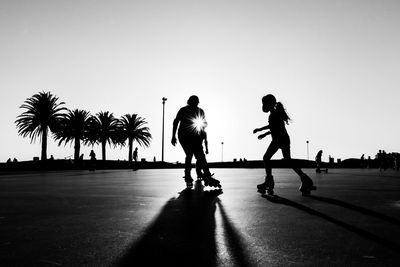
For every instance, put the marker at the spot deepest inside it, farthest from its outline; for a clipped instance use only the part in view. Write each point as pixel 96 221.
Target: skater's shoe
pixel 267 186
pixel 189 182
pixel 305 191
pixel 210 181
pixel 307 185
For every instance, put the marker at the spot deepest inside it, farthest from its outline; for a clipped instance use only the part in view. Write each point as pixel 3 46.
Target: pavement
pixel 146 218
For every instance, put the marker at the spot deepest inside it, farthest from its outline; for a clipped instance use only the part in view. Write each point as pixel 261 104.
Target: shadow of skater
pixel 358 209
pixel 182 235
pixel 234 243
pixel 280 140
pixel 373 237
pixel 191 121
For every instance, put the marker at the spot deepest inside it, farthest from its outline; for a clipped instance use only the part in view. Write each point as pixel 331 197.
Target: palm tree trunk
pixel 77 149
pixel 44 144
pixel 103 150
pixel 130 143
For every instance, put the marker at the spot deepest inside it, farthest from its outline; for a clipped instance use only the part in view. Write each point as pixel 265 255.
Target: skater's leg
pixel 198 170
pixel 269 184
pixel 290 161
pixel 271 150
pixel 188 157
pixel 203 165
pixel 306 182
pixel 188 164
pixel 201 161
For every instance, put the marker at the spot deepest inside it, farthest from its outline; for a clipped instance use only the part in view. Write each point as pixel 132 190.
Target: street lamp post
pixel 308 155
pixel 222 151
pixel 163 112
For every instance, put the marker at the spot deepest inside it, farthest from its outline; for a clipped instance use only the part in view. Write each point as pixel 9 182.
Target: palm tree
pixel 42 113
pixel 103 130
pixel 73 128
pixel 131 128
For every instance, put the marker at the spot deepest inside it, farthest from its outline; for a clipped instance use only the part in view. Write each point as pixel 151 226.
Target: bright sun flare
pixel 199 123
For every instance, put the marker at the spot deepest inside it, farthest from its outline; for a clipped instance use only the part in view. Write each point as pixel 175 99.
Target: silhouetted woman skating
pixel 280 140
pixel 191 121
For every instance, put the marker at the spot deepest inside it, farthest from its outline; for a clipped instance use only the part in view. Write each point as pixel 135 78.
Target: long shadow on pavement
pixel 183 234
pixel 233 241
pixel 357 208
pixel 387 243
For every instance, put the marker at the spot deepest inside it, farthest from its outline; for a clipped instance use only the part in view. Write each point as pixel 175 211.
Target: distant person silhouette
pixel 280 140
pixel 318 160
pixel 382 159
pixel 135 154
pixel 135 158
pixel 396 161
pixel 203 138
pixel 92 156
pixel 191 121
pixel 362 160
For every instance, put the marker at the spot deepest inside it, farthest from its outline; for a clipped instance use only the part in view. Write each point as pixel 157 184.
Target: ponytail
pixel 282 111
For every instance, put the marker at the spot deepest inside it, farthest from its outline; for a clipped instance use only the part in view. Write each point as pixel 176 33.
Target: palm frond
pixel 42 111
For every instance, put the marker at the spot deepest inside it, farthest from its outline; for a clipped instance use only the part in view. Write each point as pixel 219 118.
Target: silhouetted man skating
pixel 191 121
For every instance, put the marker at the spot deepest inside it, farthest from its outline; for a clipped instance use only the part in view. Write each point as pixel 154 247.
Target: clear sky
pixel 335 65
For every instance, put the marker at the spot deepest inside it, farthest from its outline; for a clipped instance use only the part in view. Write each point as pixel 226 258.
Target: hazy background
pixel 334 65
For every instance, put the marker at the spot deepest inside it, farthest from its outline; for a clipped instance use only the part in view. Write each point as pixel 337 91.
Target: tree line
pixel 44 114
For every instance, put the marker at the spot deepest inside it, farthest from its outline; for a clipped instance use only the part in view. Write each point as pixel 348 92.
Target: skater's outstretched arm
pixel 260 129
pixel 261 136
pixel 174 128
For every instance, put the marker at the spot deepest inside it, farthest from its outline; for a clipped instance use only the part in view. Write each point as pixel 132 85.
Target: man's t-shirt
pixel 187 117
